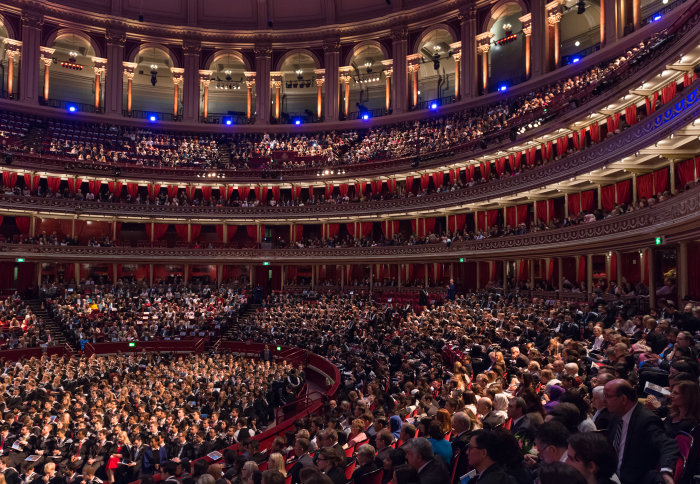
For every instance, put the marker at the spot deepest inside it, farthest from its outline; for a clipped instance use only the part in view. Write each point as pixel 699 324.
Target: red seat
pixel 349 469
pixel 349 451
pixel 374 477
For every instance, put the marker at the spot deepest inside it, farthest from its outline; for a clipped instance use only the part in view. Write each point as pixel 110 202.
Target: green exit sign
pixel 279 348
pixel 659 240
pixel 19 259
pixel 132 345
pixel 266 263
pixel 461 259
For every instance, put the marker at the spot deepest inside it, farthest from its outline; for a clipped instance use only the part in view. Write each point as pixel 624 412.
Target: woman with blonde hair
pixel 357 432
pixel 276 462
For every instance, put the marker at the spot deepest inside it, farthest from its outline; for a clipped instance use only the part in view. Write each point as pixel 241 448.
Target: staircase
pixel 234 332
pixel 57 334
pixel 225 154
pixel 35 137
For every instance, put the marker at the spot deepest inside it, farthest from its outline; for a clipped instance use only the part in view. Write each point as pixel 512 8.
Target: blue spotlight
pixel 153 118
pixel 656 18
pixel 72 109
pixel 502 88
pixel 228 122
pixel 575 60
pixel 365 117
pixel 433 106
pixel 297 122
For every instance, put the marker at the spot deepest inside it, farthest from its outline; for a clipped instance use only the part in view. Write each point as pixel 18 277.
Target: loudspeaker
pixel 513 134
pixel 696 70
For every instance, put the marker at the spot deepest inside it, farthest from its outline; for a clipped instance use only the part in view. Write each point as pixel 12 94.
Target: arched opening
pixel 298 98
pixel 153 91
pixel 580 29
pixel 507 52
pixel 436 67
pixel 227 89
pixel 368 92
pixel 71 79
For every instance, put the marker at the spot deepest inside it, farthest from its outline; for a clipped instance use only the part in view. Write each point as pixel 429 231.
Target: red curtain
pixel 243 192
pixel 159 231
pixel 172 191
pixel 230 233
pixel 296 192
pixel 366 228
pixel 587 200
pixel 522 273
pixel 541 210
pixel 329 190
pixel 195 230
pixel 609 124
pixel 631 114
pixel 332 230
pixel 31 181
pixel 424 181
pixel 115 188
pixel 409 184
pixel 391 185
pixel 390 228
pixel 481 221
pixel 624 191
pixel 595 132
pixel 94 186
pixel 298 233
pixel 454 175
pixel 132 189
pixel 686 172
pixel 456 222
pixel 22 224
pixel 276 193
pixel 9 179
pixel 438 179
pixel 550 147
pixel 343 189
pixel 521 213
pixel 225 192
pixel 608 197
pixel 651 104
pixel 206 192
pixel 181 230
pixel 574 138
pixel 581 276
pixel 510 216
pixel 500 166
pixel 511 162
pixel 261 193
pixel 351 229
pixel 574 204
pixel 530 156
pixel 153 190
pixel 613 267
pixel 645 186
pixel 491 217
pixel 53 182
pixel 189 192
pixel 616 123
pixel 562 145
pixel 668 92
pixel 661 180
pixel 252 231
pixel 550 270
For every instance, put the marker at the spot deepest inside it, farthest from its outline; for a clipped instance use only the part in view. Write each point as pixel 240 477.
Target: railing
pixel 656 16
pixel 151 115
pixel 370 113
pixel 161 346
pixel 435 103
pixel 228 119
pixel 69 106
pixel 580 54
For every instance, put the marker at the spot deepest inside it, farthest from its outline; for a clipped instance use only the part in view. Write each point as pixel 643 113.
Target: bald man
pixel 638 437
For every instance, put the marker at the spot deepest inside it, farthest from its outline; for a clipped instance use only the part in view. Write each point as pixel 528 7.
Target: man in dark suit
pixel 643 448
pixel 521 425
pixel 420 456
pixel 461 434
pixel 301 450
pixel 10 473
pixel 482 450
pixel 181 449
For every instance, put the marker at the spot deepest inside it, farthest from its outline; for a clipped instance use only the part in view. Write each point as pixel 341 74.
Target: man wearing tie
pixel 638 437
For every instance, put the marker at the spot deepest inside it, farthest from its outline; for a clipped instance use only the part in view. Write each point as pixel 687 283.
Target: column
pixel 283 276
pixel 682 265
pixel 331 63
pixel 531 268
pixel 467 18
pixel 150 274
pixel 114 79
pixel 505 275
pixel 599 193
pixel 263 60
pixel 47 60
pixel 31 42
pixel 76 272
pixel 560 273
pixel 388 71
pixel 672 176
pixel 608 22
pixel 178 79
pixel 186 277
pixel 129 68
pixel 276 84
pixel 426 273
pixel 413 62
pixel 320 79
pixel 190 97
pixel 636 17
pixel 618 267
pixel 478 275
pixel 13 50
pixel 205 79
pixel 652 281
pixel 399 50
pixel 345 79
pixel 100 68
pixel 249 83
pixel 526 21
pixel 554 26
pixel 634 188
pixel 457 56
pixel 589 274
pixel 483 45
pixel 539 37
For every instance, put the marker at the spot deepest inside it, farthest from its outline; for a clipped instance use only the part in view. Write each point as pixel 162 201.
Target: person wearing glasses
pixel 328 461
pixel 482 452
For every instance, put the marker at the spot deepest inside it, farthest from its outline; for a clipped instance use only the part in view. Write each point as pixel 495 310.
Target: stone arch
pixel 225 52
pixel 78 33
pixel 497 10
pixel 8 26
pixel 365 43
pixel 150 45
pixel 431 29
pixel 291 53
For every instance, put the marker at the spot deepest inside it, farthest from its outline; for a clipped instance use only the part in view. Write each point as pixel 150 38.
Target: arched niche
pixel 227 89
pixel 72 73
pixel 580 28
pixel 298 96
pixel 507 53
pixel 153 85
pixel 367 88
pixel 436 72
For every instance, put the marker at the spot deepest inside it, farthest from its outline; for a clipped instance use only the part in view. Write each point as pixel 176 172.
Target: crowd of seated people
pixel 505 385
pixel 20 327
pixel 130 311
pixel 105 143
pixel 118 417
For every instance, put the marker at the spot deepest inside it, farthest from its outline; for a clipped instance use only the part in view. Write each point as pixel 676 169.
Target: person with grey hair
pixel 601 416
pixel 420 456
pixel 365 460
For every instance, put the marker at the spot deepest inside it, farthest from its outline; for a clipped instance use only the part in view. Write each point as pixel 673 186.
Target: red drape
pixel 243 192
pixel 550 270
pixel 332 230
pixel 645 185
pixel 521 213
pixel 9 178
pixel 454 175
pixel 424 181
pixel 500 166
pixel 390 228
pixel 609 124
pixel 595 132
pixel 491 217
pixel 172 191
pixel 391 185
pixel 189 192
pixel 624 191
pixel 522 273
pixel 511 163
pixel 541 210
pixel 115 188
pixel 550 147
pixel 685 171
pixel 456 222
pixel 574 204
pixel 581 276
pixel 469 173
pixel 587 200
pixel 481 221
pixel 153 190
pixel 351 229
pixel 132 189
pixel 31 181
pixel 343 188
pixel 562 145
pixel 195 230
pixel 574 138
pixel 631 114
pixel 616 119
pixel 94 186
pixel 298 232
pixel 276 193
pixel 181 230
pixel 661 180
pixel 608 197
pixel 329 190
pixel 159 231
pixel 206 192
pixel 366 228
pixel 668 92
pixel 613 267
pixel 510 216
pixel 230 233
pixel 409 184
pixel 261 193
pixel 252 231
pixel 53 183
pixel 22 224
pixel 296 192
pixel 438 179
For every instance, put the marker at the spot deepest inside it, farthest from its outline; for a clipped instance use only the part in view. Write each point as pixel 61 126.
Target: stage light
pixel 575 60
pixel 502 88
pixel 153 118
pixel 297 122
pixel 433 106
pixel 656 18
pixel 228 122
pixel 72 109
pixel 365 117
pixel 577 43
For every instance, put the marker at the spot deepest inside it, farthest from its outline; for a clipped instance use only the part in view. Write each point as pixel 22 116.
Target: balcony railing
pixel 151 115
pixel 69 106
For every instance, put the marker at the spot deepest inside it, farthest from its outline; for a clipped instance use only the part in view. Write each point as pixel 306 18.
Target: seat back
pixel 374 477
pixel 349 469
pixel 349 451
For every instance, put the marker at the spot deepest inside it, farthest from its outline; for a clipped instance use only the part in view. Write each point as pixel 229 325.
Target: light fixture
pixel 581 7
pixel 72 109
pixel 73 54
pixel 227 72
pixel 153 118
pixel 300 73
pixel 154 67
pixel 433 106
pixel 368 66
pixel 577 43
pixel 503 88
